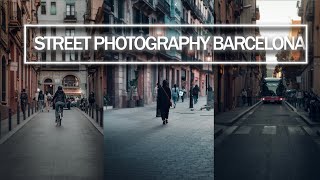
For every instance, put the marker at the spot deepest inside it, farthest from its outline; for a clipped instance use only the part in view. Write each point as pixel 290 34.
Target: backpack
pixel 24 97
pixel 195 91
pixel 60 97
pixel 41 97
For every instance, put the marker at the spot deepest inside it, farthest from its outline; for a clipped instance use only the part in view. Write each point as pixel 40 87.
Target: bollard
pixel 92 114
pixel 10 119
pixel 97 111
pixel 101 117
pixel 32 108
pixel 0 124
pixel 28 109
pixel 18 114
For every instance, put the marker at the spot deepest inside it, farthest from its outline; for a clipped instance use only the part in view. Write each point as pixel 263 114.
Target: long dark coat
pixel 164 100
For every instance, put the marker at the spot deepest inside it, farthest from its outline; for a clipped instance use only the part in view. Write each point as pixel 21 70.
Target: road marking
pixel 230 130
pixel 243 130
pixel 295 130
pixel 309 131
pixel 269 130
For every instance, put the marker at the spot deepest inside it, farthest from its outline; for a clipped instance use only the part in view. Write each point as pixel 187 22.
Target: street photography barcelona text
pixel 215 38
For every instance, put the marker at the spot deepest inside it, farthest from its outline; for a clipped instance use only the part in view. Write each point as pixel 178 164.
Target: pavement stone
pixel 40 150
pixel 138 146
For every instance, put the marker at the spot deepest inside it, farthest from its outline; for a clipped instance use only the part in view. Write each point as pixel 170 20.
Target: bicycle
pixel 60 112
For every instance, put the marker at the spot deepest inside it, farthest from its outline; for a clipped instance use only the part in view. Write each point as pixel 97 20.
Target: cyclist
pixel 59 100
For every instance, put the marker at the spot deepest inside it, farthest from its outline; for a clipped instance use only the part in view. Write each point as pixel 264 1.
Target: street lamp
pixel 159 32
pixel 191 53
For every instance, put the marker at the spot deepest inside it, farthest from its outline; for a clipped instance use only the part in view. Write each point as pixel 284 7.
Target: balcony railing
pixel 15 18
pixel 163 6
pixel 70 16
pixel 146 5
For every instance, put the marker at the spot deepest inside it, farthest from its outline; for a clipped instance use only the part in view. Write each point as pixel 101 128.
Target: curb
pixel 93 122
pixel 218 133
pixel 17 128
pixel 235 119
pixel 303 117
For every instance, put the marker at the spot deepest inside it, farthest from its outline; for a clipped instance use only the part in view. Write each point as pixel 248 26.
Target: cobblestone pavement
pixel 41 151
pixel 268 143
pixel 138 146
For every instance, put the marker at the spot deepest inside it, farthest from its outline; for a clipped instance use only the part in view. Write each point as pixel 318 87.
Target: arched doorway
pixel 70 81
pixel 48 85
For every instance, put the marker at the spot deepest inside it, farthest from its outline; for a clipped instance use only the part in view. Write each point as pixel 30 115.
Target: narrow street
pixel 42 151
pixel 139 146
pixel 270 142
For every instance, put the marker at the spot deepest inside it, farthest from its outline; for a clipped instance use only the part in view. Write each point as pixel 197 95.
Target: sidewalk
pixel 5 123
pixel 303 114
pixel 139 146
pixel 41 151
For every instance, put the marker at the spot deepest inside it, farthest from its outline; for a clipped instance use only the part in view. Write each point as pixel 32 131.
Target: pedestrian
pixel 182 92
pixel 175 95
pixel 195 93
pixel 41 99
pixel 164 98
pixel 23 102
pixel 249 96
pixel 92 99
pixel 244 96
pixel 48 100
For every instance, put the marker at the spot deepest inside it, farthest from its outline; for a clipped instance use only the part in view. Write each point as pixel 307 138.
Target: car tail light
pixel 281 99
pixel 263 99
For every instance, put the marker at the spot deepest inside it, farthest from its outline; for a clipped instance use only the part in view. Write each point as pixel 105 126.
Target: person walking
pixel 182 93
pixel 164 98
pixel 300 98
pixel 195 93
pixel 92 99
pixel 175 95
pixel 41 99
pixel 244 96
pixel 249 97
pixel 48 100
pixel 23 102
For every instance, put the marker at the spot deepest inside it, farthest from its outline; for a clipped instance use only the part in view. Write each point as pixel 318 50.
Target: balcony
pixel 310 11
pixel 163 6
pixel 15 18
pixel 70 16
pixel 189 4
pixel 145 5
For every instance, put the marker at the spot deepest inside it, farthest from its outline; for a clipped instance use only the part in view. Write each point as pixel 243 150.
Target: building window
pixel 70 55
pixel 53 9
pixel 53 56
pixel 70 10
pixel 43 31
pixel 4 79
pixel 49 81
pixel 121 9
pixel 70 81
pixel 53 31
pixel 3 19
pixel 43 8
pixel 44 56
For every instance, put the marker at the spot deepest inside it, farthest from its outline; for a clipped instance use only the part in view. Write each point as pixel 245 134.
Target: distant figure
pixel 175 95
pixel 195 93
pixel 41 99
pixel 92 99
pixel 244 96
pixel 300 98
pixel 182 93
pixel 249 97
pixel 48 100
pixel 164 98
pixel 23 102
